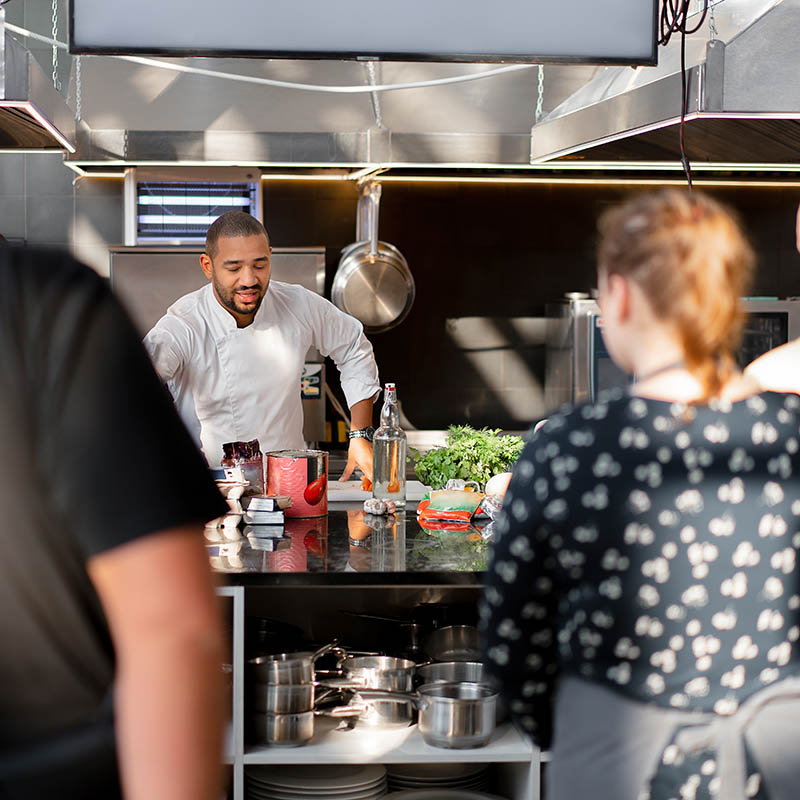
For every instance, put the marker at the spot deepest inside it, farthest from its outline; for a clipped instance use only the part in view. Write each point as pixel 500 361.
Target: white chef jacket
pixel 235 384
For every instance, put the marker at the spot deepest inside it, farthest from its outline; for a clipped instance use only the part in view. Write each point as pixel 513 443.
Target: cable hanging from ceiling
pixel 306 87
pixel 674 18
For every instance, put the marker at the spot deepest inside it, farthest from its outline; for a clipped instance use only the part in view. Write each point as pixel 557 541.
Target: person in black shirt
pixel 642 603
pixel 110 626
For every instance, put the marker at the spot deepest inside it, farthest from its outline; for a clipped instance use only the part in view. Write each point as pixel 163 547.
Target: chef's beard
pixel 228 299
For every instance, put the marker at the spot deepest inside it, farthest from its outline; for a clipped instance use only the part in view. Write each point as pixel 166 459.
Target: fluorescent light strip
pixel 557 166
pixel 182 200
pixel 610 181
pixel 175 219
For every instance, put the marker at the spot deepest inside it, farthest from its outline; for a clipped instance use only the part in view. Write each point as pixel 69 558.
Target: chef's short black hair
pixel 230 224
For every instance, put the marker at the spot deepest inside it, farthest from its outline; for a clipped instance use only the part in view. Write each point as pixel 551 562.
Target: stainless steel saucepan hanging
pixel 373 282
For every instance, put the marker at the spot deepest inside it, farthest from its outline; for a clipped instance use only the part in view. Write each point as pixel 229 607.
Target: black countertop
pixel 342 549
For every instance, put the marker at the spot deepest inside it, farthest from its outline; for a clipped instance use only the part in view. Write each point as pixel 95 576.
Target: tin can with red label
pixel 301 475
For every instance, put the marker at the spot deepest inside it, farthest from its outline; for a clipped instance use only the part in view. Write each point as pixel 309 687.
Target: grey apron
pixel 608 747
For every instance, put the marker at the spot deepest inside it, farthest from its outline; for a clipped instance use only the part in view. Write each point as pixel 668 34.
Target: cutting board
pixel 350 491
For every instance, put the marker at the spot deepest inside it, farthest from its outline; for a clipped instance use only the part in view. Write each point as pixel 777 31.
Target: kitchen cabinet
pixel 402 569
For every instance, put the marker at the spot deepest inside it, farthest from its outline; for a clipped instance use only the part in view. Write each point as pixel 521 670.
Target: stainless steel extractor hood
pixel 743 98
pixel 33 114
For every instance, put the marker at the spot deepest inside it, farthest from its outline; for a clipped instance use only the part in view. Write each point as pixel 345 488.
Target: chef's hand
pixel 359 454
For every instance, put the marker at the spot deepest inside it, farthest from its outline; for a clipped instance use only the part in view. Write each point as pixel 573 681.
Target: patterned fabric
pixel 650 547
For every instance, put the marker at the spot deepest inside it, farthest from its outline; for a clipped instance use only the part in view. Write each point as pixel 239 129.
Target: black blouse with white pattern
pixel 652 548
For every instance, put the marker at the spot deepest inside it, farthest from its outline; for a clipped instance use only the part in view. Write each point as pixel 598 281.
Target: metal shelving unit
pixel 518 761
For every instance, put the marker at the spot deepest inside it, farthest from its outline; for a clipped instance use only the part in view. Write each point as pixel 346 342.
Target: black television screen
pixel 586 31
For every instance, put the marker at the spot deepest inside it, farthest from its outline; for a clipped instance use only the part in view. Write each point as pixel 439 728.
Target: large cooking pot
pixel 373 282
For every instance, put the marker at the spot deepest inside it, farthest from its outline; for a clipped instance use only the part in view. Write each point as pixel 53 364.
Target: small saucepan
pixel 286 698
pixel 454 643
pixel 450 672
pixel 451 715
pixel 385 673
pixel 289 668
pixel 292 730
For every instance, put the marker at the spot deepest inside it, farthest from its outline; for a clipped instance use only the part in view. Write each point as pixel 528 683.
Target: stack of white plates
pixel 466 777
pixel 318 782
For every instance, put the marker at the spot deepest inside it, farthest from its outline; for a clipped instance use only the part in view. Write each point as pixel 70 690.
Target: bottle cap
pixel 389 387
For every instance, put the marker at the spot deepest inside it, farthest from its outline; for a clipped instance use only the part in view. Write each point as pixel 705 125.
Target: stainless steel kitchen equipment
pixel 454 643
pixel 450 672
pixel 282 698
pixel 457 715
pixel 292 730
pixel 451 715
pixel 373 282
pixel 578 365
pixel 386 673
pixel 149 279
pixel 288 668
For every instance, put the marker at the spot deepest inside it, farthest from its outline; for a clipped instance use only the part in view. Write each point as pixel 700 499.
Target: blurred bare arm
pixel 779 369
pixel 158 596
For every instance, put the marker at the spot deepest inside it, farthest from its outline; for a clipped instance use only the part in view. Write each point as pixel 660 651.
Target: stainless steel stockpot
pixel 288 668
pixel 287 698
pixel 285 730
pixel 292 730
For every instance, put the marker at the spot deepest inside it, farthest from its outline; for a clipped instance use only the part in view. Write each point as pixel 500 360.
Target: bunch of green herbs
pixel 474 455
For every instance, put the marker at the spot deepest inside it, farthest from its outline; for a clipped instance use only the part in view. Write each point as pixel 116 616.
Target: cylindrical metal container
pixel 457 715
pixel 279 698
pixel 451 672
pixel 301 475
pixel 389 674
pixel 282 698
pixel 454 643
pixel 287 668
pixel 287 730
pixel 451 715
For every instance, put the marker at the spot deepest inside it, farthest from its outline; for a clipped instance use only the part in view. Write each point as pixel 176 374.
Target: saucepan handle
pixel 393 697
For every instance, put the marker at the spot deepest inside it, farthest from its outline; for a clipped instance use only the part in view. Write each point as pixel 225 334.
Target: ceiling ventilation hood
pixel 743 97
pixel 33 114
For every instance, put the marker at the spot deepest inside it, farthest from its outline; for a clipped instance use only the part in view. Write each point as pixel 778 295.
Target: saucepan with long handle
pixel 289 668
pixel 451 715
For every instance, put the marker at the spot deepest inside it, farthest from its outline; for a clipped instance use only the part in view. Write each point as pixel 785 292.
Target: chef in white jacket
pixel 232 353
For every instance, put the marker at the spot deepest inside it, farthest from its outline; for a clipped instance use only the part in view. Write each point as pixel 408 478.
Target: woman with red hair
pixel 642 604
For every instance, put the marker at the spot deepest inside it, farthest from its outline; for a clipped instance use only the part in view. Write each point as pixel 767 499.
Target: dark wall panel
pixel 498 252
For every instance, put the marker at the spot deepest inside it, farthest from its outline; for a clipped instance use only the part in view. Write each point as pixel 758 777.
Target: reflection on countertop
pixel 348 547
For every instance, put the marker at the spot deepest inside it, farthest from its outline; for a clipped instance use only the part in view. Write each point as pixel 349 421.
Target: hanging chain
pixel 78 98
pixel 376 100
pixel 712 24
pixel 56 82
pixel 540 97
